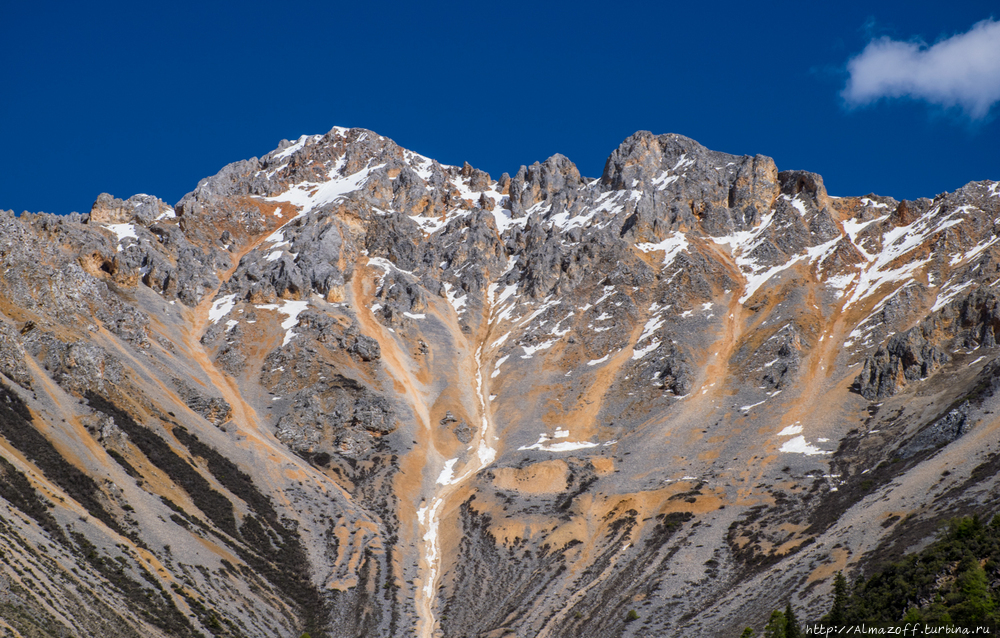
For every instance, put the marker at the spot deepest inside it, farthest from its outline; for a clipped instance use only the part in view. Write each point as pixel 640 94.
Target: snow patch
pixel 871 203
pixel 671 247
pixel 447 474
pixel 948 293
pixel 896 243
pixel 798 445
pixel 122 231
pixel 496 366
pixel 288 152
pixel 650 328
pixel 291 310
pixel 385 264
pixel 309 196
pixel 973 252
pixel 167 214
pixel 564 446
pixel 429 225
pixel 799 205
pixel 642 352
pixel 529 351
pixel 458 303
pixel 221 307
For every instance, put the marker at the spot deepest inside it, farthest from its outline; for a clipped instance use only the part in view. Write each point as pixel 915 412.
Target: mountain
pixel 345 390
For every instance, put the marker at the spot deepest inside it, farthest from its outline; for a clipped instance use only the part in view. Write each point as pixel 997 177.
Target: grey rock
pixel 906 357
pixel 948 428
pixel 460 428
pixel 77 366
pixel 108 209
pixel 339 416
pixel 674 372
pixel 366 348
pixel 780 358
pixel 550 181
pixel 142 209
pixel 215 410
pixel 12 363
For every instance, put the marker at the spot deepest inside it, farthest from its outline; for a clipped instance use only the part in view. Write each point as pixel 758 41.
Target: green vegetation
pixel 838 612
pixel 781 624
pixel 263 542
pixel 792 629
pixel 17 490
pixel 17 426
pixel 154 603
pixel 948 583
pixel 955 581
pixel 215 505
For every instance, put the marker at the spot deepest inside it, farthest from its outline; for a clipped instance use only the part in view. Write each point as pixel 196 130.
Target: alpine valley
pixel 346 391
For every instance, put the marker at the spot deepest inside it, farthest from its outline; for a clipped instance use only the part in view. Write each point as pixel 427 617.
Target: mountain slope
pixel 347 390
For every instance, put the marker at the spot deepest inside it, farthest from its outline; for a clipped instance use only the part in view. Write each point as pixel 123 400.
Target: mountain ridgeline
pixel 348 391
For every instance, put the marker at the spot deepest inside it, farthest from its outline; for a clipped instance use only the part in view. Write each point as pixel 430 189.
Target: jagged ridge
pixel 342 385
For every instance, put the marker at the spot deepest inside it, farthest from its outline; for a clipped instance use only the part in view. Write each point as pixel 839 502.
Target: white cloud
pixel 963 71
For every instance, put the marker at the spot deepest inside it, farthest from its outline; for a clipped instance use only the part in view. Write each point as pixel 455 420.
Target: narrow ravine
pixel 481 454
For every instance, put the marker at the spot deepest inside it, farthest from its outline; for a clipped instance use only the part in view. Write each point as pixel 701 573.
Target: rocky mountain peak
pixel 345 388
pixel 142 209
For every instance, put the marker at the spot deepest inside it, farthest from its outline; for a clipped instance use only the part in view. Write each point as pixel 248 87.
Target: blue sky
pixel 151 97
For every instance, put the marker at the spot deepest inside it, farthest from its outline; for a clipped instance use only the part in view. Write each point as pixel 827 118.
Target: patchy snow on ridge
pixel 309 196
pixel 167 214
pixel 651 327
pixel 947 293
pixel 221 307
pixel 429 225
pixel 755 281
pixel 122 231
pixel 458 303
pixel 529 351
pixel 385 264
pixel 797 203
pixel 669 176
pixel 671 247
pixel 853 228
pixel 867 201
pixel 972 252
pixel 291 309
pixel 895 243
pixel 291 150
pixel 639 353
pixel 496 366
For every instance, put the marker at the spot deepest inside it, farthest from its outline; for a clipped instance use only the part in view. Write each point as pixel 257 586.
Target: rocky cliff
pixel 346 390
